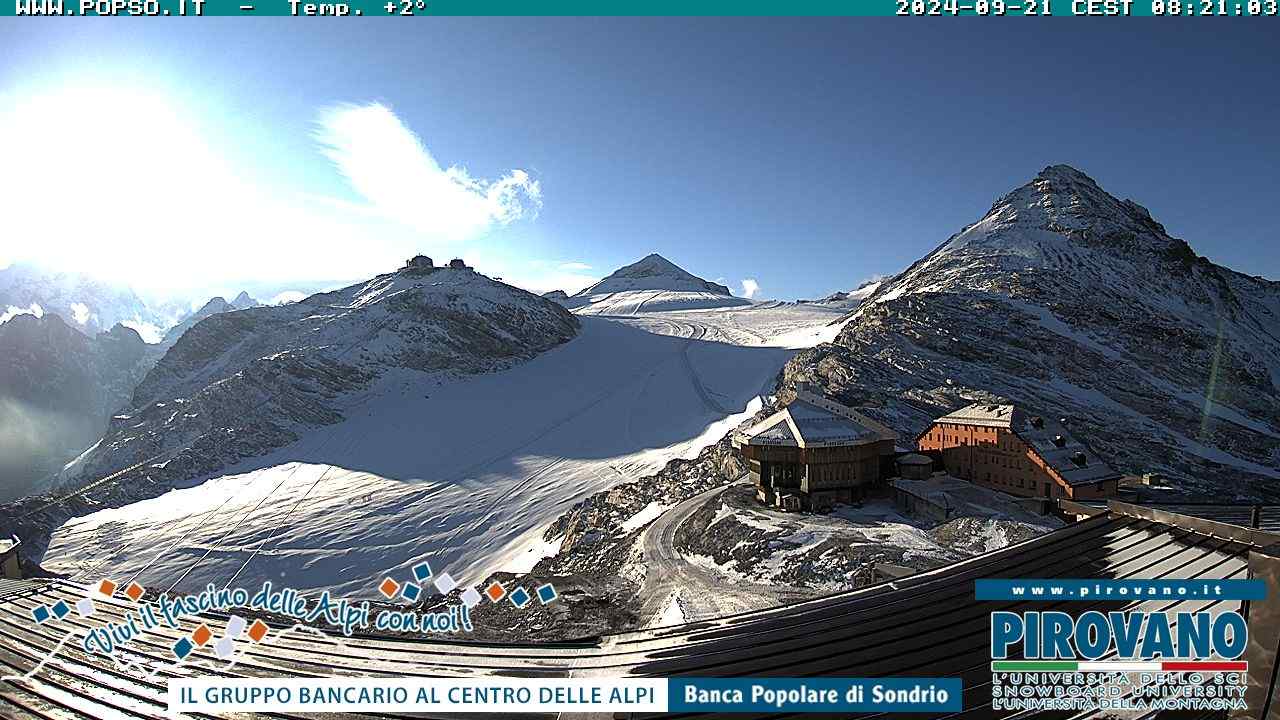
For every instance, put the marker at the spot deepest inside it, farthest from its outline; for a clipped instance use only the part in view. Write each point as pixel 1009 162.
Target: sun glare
pixel 108 180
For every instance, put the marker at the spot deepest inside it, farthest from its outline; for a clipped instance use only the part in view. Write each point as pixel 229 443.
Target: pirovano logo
pixel 1147 656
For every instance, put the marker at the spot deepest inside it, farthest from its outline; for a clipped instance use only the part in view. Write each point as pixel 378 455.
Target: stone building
pixel 419 262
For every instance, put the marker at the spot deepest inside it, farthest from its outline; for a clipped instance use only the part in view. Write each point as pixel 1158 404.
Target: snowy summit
pixel 651 284
pixel 1070 300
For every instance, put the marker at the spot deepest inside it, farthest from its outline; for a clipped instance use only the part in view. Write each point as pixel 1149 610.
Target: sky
pixel 786 158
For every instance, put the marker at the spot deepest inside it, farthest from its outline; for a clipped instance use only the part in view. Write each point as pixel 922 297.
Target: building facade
pixel 1002 448
pixel 814 453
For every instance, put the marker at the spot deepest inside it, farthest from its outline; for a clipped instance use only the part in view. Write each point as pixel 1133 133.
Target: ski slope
pixel 631 302
pixel 465 473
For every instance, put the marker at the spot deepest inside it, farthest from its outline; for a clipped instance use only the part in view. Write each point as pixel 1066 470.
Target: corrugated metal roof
pixel 925 625
pixel 1232 514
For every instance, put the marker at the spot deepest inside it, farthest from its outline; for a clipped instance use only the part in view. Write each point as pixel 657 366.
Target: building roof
pixel 914 459
pixel 984 414
pixel 7 544
pixel 814 421
pixel 1070 458
pixel 925 625
pixel 1230 513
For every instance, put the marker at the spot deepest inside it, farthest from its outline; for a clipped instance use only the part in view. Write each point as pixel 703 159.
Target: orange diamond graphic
pixel 134 591
pixel 106 587
pixel 389 588
pixel 201 635
pixel 495 591
pixel 258 630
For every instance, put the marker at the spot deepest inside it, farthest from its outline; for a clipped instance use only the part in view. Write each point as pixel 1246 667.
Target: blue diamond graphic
pixel 547 594
pixel 411 592
pixel 182 648
pixel 60 609
pixel 520 598
pixel 422 572
pixel 41 614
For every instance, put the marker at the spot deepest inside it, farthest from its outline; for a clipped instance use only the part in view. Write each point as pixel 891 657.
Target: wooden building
pixel 814 453
pixel 10 568
pixel 1001 447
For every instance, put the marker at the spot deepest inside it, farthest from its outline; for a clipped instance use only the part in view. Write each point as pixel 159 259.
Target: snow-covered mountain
pixel 1078 304
pixel 58 387
pixel 464 470
pixel 215 306
pixel 238 384
pixel 267 370
pixel 651 284
pixel 85 303
pixel 847 300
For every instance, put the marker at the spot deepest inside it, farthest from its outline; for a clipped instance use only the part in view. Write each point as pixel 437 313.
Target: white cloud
pixel 536 276
pixel 80 313
pixel 149 332
pixel 209 223
pixel 33 309
pixel 286 297
pixel 750 287
pixel 388 165
pixel 574 266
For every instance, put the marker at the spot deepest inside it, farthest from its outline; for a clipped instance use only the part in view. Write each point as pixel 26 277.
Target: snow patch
pixel 647 514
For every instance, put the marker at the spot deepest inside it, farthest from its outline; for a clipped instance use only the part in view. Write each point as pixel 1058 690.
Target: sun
pixel 107 180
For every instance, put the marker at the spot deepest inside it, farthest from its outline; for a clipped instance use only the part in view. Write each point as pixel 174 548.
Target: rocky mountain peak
pixel 1062 199
pixel 653 272
pixel 650 265
pixel 1067 299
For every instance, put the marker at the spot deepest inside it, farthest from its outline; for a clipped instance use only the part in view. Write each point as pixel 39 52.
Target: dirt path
pixel 670 577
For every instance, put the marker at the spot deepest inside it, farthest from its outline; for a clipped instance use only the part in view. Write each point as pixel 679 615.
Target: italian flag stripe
pixel 1117 666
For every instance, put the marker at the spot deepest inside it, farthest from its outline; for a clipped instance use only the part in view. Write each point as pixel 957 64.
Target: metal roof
pixel 1070 458
pixel 811 420
pixel 985 414
pixel 914 459
pixel 1232 514
pixel 924 625
pixel 777 432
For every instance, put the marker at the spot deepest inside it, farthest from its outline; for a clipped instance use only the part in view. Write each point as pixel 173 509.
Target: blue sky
pixel 805 154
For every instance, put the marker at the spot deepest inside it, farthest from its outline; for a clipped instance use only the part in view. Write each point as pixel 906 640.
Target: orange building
pixel 1000 447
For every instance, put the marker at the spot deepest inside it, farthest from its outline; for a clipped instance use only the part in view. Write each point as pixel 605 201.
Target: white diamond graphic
pixel 235 626
pixel 224 648
pixel 470 597
pixel 445 583
pixel 85 607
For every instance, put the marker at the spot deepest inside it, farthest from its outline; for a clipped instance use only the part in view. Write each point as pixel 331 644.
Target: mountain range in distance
pixel 1062 299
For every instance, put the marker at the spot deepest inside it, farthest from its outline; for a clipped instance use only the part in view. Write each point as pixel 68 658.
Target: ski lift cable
pixel 284 521
pixel 324 442
pixel 230 530
pixel 113 552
